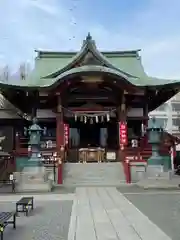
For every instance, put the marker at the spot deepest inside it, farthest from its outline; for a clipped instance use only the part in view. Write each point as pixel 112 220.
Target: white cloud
pixel 44 6
pixel 53 24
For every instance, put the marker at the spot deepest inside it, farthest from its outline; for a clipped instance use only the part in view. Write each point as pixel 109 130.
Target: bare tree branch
pixel 24 70
pixel 5 74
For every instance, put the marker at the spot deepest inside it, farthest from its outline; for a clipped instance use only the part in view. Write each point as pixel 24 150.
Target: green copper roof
pixel 53 67
pixel 50 62
pixel 86 69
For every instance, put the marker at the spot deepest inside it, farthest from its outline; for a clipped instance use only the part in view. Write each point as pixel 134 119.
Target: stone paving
pixel 49 221
pixel 7 189
pixel 104 214
pixel 97 214
pixel 161 207
pixel 37 197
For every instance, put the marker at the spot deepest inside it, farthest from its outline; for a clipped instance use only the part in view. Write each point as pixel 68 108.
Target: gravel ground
pixel 162 208
pixel 49 220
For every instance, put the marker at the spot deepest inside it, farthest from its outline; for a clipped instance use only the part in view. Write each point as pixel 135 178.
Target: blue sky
pixel 151 25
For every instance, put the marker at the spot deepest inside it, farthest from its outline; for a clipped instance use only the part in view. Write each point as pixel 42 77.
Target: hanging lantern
pixel 96 119
pixel 85 119
pixel 102 118
pixel 108 118
pixel 75 117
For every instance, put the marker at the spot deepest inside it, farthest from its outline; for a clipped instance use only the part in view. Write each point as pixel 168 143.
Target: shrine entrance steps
pixel 93 174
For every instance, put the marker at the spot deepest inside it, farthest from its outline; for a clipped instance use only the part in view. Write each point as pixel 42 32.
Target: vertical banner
pixel 66 134
pixel 123 138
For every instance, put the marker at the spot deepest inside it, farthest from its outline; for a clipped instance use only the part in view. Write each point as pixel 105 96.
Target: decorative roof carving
pixel 89 46
pixel 90 59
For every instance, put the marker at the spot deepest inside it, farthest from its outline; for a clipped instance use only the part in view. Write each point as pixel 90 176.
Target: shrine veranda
pixel 94 105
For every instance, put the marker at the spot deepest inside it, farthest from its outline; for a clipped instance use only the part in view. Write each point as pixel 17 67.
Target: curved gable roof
pixel 88 46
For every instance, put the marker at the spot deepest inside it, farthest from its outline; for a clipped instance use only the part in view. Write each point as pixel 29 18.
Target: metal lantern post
pixel 155 134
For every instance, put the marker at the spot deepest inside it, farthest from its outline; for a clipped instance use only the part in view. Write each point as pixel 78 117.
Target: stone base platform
pixel 157 178
pixel 172 184
pixel 33 182
pixel 35 187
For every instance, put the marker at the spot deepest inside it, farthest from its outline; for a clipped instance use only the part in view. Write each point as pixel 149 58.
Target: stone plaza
pixel 98 213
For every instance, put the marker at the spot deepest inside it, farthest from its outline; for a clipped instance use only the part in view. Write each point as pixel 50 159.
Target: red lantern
pixel 123 133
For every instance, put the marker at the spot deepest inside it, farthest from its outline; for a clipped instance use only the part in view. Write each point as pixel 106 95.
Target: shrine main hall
pixel 93 104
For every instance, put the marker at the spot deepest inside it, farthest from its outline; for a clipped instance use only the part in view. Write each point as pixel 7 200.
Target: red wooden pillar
pixel 59 132
pixel 145 118
pixel 59 140
pixel 122 127
pixel 123 137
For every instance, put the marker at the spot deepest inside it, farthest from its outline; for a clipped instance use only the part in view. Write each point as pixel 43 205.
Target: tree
pixel 5 74
pixel 24 71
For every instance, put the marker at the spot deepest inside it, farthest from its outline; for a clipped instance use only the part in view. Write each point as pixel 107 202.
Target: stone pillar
pixel 59 138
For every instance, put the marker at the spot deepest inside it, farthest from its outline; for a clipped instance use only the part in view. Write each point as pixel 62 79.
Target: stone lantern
pixel 155 173
pixel 34 132
pixel 34 176
pixel 155 136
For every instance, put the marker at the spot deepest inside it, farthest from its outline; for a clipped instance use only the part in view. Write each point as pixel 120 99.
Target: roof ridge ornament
pixel 88 40
pixel 89 37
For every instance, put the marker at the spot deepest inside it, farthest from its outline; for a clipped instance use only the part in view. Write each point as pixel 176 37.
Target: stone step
pixel 95 185
pixel 93 174
pixel 93 182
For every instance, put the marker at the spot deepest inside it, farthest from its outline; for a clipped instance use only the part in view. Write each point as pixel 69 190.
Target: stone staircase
pixel 93 174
